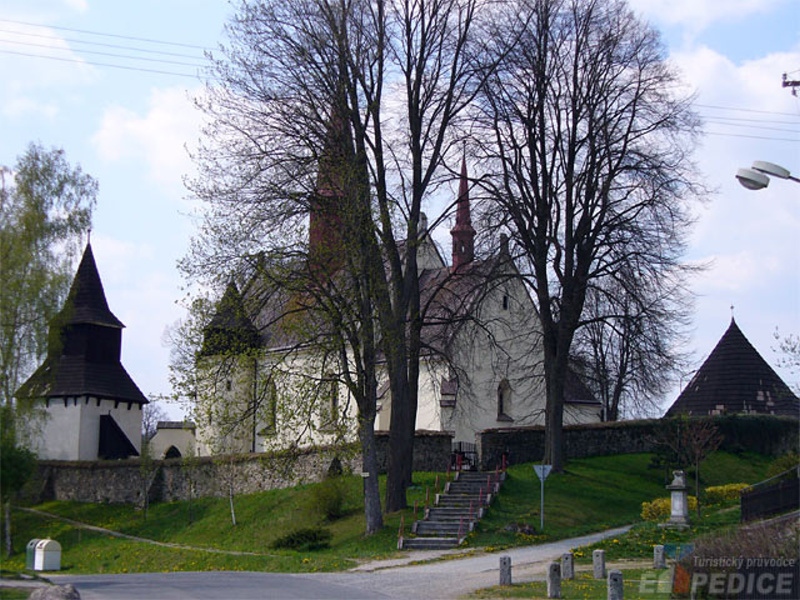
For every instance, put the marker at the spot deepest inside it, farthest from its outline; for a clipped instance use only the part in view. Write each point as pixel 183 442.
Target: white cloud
pixel 31 73
pixel 696 15
pixel 156 137
pixel 77 5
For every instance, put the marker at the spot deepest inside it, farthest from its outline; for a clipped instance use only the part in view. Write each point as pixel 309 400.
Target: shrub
pixel 328 498
pixel 784 463
pixel 724 493
pixel 660 509
pixel 307 538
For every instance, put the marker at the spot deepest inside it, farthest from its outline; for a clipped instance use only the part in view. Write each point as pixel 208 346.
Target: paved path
pixel 395 578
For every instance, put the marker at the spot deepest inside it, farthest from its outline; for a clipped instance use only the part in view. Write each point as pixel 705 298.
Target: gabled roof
pixel 735 379
pixel 86 302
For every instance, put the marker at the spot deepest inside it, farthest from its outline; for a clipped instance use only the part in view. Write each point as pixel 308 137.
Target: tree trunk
pixel 372 495
pixel 7 519
pixel 400 445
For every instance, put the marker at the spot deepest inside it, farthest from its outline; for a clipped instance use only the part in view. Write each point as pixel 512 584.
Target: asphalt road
pixel 385 579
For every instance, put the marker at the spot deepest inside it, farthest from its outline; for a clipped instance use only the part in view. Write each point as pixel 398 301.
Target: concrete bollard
pixel 554 580
pixel 659 561
pixel 615 588
pixel 505 570
pixel 599 564
pixel 567 566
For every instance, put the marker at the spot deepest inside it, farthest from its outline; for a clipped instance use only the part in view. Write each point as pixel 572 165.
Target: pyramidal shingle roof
pixel 87 300
pixel 86 359
pixel 735 379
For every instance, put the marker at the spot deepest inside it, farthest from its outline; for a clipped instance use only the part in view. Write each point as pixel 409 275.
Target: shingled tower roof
pixel 85 349
pixel 86 302
pixel 735 379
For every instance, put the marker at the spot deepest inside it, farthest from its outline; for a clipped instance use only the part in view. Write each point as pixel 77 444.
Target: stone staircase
pixel 454 513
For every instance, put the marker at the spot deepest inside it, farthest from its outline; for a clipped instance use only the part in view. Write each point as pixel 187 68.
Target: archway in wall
pixel 172 452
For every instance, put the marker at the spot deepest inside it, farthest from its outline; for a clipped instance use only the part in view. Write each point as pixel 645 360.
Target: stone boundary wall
pixel 125 481
pixel 763 434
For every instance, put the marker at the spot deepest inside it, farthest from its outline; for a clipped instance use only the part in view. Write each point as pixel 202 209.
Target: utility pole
pixel 792 83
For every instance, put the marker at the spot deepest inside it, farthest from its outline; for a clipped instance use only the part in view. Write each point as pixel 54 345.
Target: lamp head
pixel 752 179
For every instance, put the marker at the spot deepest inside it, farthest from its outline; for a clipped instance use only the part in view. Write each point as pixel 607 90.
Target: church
pixel 84 405
pixel 482 367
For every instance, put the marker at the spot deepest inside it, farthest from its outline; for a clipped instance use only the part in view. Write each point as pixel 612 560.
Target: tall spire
pixel 87 299
pixel 463 233
pixel 325 210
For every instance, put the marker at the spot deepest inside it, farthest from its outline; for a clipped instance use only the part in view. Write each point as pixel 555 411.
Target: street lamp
pixel 757 177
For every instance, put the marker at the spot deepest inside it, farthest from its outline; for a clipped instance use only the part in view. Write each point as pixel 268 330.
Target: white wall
pixel 72 432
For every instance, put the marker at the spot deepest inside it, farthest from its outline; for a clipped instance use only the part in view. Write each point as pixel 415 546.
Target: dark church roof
pixel 84 359
pixel 735 379
pixel 86 302
pixel 231 330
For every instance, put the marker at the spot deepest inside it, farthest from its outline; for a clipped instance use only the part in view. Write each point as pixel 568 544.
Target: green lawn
pixel 591 495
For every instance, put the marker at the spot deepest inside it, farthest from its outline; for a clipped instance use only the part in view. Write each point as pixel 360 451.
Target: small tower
pixel 327 201
pixel 94 409
pixel 463 233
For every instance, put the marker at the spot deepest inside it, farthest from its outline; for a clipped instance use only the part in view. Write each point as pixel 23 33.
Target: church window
pixel 504 401
pixel 228 384
pixel 330 403
pixel 270 410
pixel 505 301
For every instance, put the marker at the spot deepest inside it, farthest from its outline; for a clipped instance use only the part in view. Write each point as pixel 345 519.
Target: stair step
pixel 430 543
pixel 441 529
pixel 455 512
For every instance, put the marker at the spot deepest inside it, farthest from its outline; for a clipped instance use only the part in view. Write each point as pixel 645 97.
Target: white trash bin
pixel 47 556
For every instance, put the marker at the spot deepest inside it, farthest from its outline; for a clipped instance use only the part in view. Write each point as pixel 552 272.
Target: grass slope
pixel 592 494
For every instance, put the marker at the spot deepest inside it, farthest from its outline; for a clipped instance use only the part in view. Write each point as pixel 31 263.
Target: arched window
pixel 504 401
pixel 172 452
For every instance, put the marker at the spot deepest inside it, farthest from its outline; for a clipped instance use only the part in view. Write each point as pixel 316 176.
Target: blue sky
pixel 128 127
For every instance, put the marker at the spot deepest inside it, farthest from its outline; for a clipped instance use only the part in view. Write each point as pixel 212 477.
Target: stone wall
pixel 755 433
pixel 125 481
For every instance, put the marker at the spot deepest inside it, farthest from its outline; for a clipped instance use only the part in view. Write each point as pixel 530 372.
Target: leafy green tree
pixel 16 466
pixel 45 208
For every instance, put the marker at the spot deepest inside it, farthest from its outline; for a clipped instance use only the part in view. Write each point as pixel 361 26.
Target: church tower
pixel 463 233
pixel 328 199
pixel 94 408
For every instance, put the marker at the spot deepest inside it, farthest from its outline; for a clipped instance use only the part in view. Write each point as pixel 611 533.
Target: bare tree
pixel 398 74
pixel 629 345
pixel 586 138
pixel 690 441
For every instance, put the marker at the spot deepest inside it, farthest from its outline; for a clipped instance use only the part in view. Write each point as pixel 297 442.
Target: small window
pixel 504 401
pixel 329 397
pixel 228 384
pixel 269 416
pixel 505 301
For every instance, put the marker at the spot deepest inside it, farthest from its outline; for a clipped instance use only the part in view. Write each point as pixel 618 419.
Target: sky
pixel 112 84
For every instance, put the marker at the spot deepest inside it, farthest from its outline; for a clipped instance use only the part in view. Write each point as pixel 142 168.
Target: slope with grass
pixel 591 495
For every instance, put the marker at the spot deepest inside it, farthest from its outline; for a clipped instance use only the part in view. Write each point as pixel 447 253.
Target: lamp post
pixel 757 177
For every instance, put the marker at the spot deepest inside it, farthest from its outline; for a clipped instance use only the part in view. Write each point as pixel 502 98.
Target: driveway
pixel 395 578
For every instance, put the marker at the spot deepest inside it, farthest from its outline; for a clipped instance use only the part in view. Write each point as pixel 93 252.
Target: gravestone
pixel 659 561
pixel 567 566
pixel 505 570
pixel 615 585
pixel 599 564
pixel 554 580
pixel 679 502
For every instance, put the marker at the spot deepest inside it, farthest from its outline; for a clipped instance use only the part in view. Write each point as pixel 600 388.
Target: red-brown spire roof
pixel 463 233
